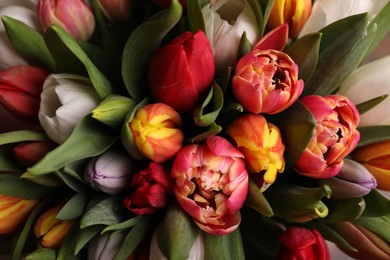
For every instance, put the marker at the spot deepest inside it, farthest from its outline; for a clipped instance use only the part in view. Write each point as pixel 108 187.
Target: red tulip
pixel 29 153
pixel 20 90
pixel 182 71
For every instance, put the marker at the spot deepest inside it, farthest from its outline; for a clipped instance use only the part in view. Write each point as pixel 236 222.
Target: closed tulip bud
pixel 293 12
pixel 65 100
pixel 20 90
pixel 156 132
pixel 266 81
pixel 13 212
pixel 211 184
pixel 261 144
pixel 334 137
pixel 29 153
pixel 115 10
pixel 225 22
pixel 376 158
pixel 105 246
pixel 110 172
pixel 50 230
pixel 353 181
pixel 74 16
pixel 182 71
pixel 302 243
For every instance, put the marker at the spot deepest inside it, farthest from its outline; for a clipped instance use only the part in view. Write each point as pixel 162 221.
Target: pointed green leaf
pixel 85 235
pixel 345 210
pixel 305 52
pixel 123 225
pixel 257 201
pixel 89 138
pixel 376 205
pixel 142 44
pixel 195 17
pixel 74 207
pixel 296 125
pixel 207 112
pixel 266 6
pixel 28 43
pixel 71 58
pixel 42 254
pixel 373 134
pixel 367 105
pixel 227 247
pixel 22 135
pixel 244 47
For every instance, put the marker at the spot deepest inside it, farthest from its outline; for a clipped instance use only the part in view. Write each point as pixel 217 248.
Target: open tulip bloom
pixel 202 129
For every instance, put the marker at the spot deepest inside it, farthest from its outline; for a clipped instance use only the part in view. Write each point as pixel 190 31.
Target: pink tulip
pixel 115 10
pixel 266 81
pixel 74 16
pixel 20 90
pixel 334 136
pixel 261 144
pixel 151 190
pixel 182 71
pixel 211 184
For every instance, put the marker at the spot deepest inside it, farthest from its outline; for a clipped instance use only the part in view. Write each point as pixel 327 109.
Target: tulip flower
pixel 182 71
pixel 334 136
pixel 20 90
pixel 110 172
pixel 325 12
pixel 74 16
pixel 261 144
pixel 65 100
pixel 115 10
pixel 294 13
pixel 226 21
pixel 302 243
pixel 50 230
pixel 211 184
pixel 375 75
pixel 368 244
pixel 29 153
pixel 353 181
pixel 21 10
pixel 156 132
pixel 151 190
pixel 266 81
pixel 13 212
pixel 105 246
pixel 375 157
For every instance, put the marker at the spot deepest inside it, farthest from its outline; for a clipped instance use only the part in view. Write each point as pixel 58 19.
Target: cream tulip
pixel 367 82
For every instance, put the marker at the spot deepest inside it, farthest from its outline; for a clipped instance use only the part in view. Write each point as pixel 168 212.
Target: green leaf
pixel 210 130
pixel 376 204
pixel 342 48
pixel 195 17
pixel 296 125
pixel 67 248
pixel 74 207
pixel 378 225
pixel 177 233
pixel 266 5
pixel 244 47
pixel 257 201
pixel 22 135
pixel 89 138
pixel 373 134
pixel 345 210
pixel 42 254
pixel 71 182
pixel 123 225
pixel 367 105
pixel 140 48
pixel 28 43
pixel 305 52
pixel 85 235
pixel 227 247
pixel 71 58
pixel 207 112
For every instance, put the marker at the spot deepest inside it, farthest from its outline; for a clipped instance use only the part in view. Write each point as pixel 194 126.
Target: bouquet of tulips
pixel 198 129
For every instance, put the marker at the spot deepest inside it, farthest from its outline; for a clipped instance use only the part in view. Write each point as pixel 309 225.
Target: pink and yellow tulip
pixel 261 144
pixel 211 184
pixel 266 81
pixel 334 137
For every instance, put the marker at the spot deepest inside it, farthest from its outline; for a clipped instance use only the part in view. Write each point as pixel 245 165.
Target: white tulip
pixel 225 22
pixel 65 100
pixel 325 12
pixel 367 82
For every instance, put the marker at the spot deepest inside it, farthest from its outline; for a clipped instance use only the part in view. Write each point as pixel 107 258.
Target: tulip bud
pixel 50 230
pixel 266 81
pixel 294 13
pixel 115 10
pixel 105 246
pixel 20 89
pixel 353 181
pixel 156 132
pixel 29 153
pixel 74 16
pixel 182 71
pixel 65 100
pixel 375 157
pixel 151 189
pixel 110 172
pixel 13 212
pixel 261 144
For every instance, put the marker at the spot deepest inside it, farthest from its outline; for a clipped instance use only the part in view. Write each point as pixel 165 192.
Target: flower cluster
pixel 173 129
